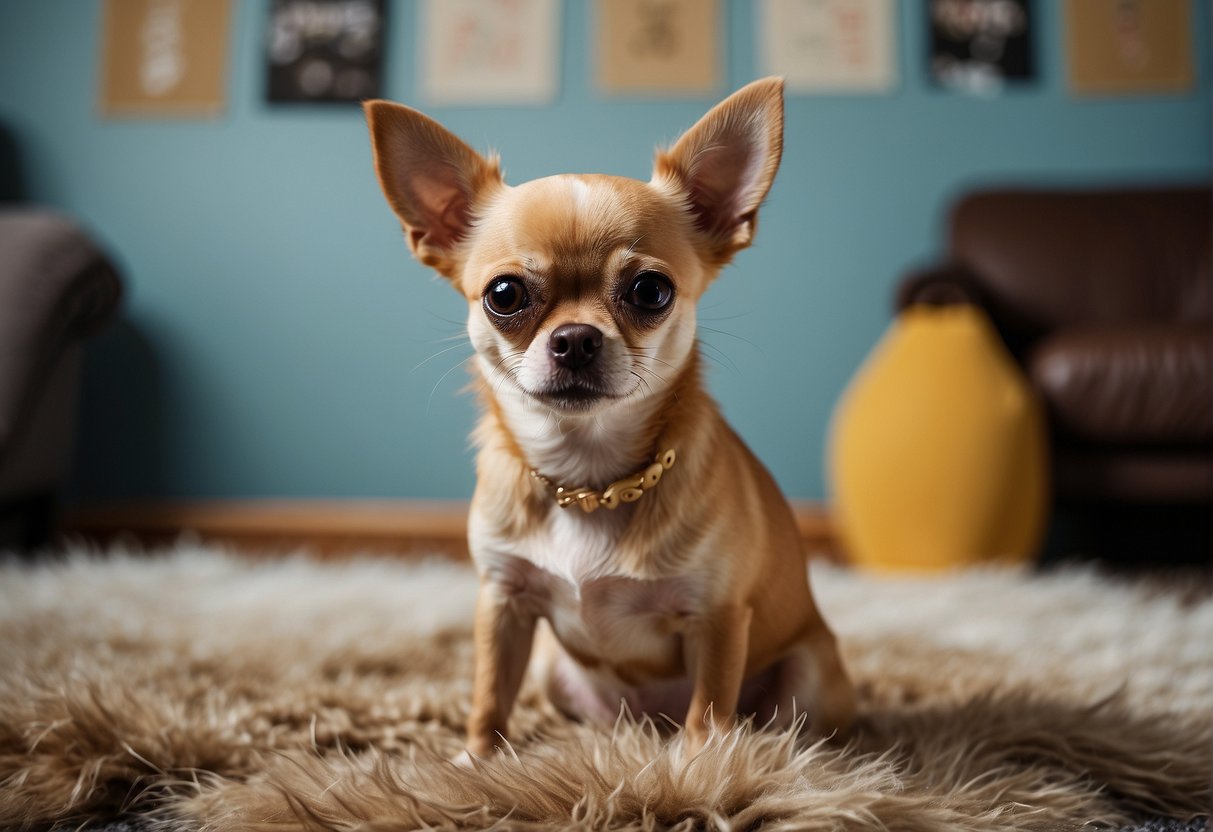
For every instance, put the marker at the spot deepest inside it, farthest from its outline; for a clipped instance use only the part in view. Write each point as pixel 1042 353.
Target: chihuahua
pixel 631 549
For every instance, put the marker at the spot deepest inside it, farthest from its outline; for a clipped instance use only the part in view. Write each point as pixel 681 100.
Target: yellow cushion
pixel 937 449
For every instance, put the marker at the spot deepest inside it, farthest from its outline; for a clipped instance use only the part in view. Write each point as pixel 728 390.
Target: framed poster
pixel 829 46
pixel 164 57
pixel 1129 46
pixel 667 47
pixel 978 45
pixel 490 51
pixel 324 51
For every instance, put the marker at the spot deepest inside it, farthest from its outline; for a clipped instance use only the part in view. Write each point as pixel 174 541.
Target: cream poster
pixel 489 51
pixel 829 46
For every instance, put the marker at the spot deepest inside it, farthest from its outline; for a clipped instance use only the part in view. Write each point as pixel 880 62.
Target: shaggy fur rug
pixel 206 691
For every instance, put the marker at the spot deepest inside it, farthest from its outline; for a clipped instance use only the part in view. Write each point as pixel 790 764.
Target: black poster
pixel 977 45
pixel 325 50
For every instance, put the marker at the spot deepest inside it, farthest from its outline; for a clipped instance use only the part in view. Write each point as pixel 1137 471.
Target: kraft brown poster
pixel 1129 46
pixel 658 46
pixel 164 57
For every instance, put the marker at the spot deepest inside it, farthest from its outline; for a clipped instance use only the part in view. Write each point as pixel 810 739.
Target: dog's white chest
pixel 624 624
pixel 601 617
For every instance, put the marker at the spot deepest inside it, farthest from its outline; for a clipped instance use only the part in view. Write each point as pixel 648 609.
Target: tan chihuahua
pixel 623 533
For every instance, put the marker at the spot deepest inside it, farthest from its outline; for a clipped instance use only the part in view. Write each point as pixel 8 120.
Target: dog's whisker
pixel 513 371
pixel 642 386
pixel 655 358
pixel 731 335
pixel 731 365
pixel 435 355
pixel 439 336
pixel 725 317
pixel 461 336
pixel 442 378
pixel 716 362
pixel 653 373
pixel 508 357
pixel 460 324
pixel 507 374
pixel 502 370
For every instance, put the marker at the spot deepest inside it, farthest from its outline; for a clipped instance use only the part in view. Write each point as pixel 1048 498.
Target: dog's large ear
pixel 431 179
pixel 725 164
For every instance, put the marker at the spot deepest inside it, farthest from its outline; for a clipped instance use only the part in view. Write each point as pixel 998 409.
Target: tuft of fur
pixel 210 691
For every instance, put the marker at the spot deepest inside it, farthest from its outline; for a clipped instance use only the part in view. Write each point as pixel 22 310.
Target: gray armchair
pixel 56 290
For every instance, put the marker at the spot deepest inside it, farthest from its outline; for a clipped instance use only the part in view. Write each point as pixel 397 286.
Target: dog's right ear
pixel 431 179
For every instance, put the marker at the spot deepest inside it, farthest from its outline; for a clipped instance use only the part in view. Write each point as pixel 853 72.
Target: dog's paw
pixel 477 751
pixel 685 747
pixel 464 759
pixel 691 745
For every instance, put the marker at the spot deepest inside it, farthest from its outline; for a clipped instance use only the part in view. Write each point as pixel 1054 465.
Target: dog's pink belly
pixel 630 627
pixel 597 695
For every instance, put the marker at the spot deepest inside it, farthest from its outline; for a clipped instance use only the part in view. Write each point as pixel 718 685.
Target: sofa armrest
pixel 1144 383
pixel 56 286
pixel 943 284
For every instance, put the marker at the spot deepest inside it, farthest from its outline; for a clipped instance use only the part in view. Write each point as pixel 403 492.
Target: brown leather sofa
pixel 57 288
pixel 1104 297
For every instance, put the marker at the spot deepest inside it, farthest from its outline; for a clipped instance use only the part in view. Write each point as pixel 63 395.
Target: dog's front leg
pixel 502 636
pixel 716 656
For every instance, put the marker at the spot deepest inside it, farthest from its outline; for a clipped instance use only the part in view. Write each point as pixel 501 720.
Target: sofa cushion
pixel 1150 383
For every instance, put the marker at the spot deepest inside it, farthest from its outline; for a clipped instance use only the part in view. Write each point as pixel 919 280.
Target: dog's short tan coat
pixel 692 601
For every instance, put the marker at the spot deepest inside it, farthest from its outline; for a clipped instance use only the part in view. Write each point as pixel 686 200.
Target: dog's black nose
pixel 575 345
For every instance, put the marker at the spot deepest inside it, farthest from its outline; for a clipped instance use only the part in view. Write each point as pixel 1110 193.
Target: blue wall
pixel 277 339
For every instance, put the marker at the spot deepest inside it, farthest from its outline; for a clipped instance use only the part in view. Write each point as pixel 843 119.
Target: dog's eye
pixel 505 296
pixel 650 291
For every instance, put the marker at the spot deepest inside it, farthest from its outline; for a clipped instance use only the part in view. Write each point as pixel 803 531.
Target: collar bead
pixel 626 490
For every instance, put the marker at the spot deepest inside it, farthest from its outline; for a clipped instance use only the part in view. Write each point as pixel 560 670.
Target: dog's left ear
pixel 725 164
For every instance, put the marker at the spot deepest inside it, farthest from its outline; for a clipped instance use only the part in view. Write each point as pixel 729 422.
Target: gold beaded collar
pixel 626 490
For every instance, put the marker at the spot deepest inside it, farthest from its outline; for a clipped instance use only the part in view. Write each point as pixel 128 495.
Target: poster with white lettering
pixel 324 51
pixel 164 58
pixel 978 46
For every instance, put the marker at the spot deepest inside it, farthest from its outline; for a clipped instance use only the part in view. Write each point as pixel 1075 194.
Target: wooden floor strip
pixel 326 527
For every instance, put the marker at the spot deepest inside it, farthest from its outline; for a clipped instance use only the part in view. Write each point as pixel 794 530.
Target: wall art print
pixel 490 51
pixel 829 46
pixel 658 47
pixel 324 51
pixel 978 46
pixel 164 57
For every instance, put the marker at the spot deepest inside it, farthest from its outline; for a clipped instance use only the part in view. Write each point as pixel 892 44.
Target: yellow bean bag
pixel 937 449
